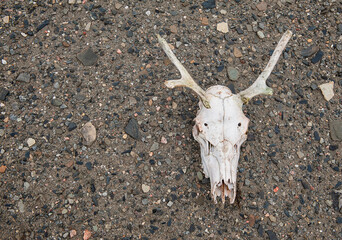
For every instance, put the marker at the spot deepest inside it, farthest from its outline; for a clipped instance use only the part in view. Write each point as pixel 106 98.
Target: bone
pixel 259 86
pixel 186 80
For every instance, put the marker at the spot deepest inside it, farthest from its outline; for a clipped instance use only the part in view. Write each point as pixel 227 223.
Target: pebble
pixel 148 13
pixel 64 211
pixel 233 73
pixel 87 57
pixel 3 169
pixel 89 166
pixel 56 102
pixel 88 132
pixel 6 19
pixel 272 218
pixel 145 188
pixel 24 77
pixel 173 29
pixel 329 203
pixel 132 129
pixel 336 130
pixel 72 126
pixel 2 132
pixel 87 27
pixel 300 154
pixel 26 186
pixel 327 90
pixel 222 27
pixel 169 204
pixel 117 5
pixel 205 21
pixel 317 57
pixel 309 51
pixel 199 176
pixel 209 4
pixel 144 201
pixel 237 53
pixel 42 25
pixel 21 206
pixel 271 235
pixel 262 6
pixel 3 93
pixel 260 34
pixel 30 142
pixel 3 61
pixel 154 147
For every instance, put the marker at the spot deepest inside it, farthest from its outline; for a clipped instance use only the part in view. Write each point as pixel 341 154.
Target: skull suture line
pixel 220 125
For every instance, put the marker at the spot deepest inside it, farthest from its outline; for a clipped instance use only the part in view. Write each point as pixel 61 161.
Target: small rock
pixel 336 130
pixel 65 44
pixel 89 166
pixel 87 27
pixel 117 5
pixel 205 21
pixel 329 203
pixel 86 235
pixel 88 132
pixel 317 57
pixel 222 27
pixel 3 93
pixel 145 188
pixel 173 29
pixel 56 102
pixel 262 6
pixel 73 233
pixel 200 176
pixel 21 206
pixel 87 57
pixel 42 25
pixel 271 235
pixel 163 140
pixel 31 142
pixel 26 186
pixel 148 13
pixel 237 53
pixel 233 73
pixel 6 19
pixel 72 126
pixel 272 218
pixel 3 169
pixel 210 4
pixel 2 132
pixel 72 1
pixel 64 211
pixel 260 34
pixel 132 129
pixel 300 154
pixel 169 204
pixel 3 61
pixel 24 77
pixel 327 90
pixel 154 147
pixel 144 201
pixel 309 51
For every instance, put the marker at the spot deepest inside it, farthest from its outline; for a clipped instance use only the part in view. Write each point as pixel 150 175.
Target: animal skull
pixel 220 125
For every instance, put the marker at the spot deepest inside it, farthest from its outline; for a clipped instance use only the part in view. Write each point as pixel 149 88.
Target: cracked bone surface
pixel 220 125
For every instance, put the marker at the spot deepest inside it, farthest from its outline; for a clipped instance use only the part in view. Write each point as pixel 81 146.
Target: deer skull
pixel 220 125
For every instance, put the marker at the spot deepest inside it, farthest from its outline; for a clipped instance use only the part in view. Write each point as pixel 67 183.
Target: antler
pixel 259 86
pixel 186 80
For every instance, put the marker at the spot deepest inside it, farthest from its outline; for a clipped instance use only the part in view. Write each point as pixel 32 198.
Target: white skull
pixel 221 126
pixel 220 131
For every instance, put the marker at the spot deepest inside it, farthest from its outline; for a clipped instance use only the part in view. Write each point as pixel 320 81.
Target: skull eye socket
pixel 206 124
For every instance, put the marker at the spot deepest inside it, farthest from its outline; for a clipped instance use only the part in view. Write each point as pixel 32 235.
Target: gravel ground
pixel 64 64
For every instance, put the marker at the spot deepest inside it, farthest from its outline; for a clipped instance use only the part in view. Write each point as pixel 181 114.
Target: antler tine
pixel 259 86
pixel 186 80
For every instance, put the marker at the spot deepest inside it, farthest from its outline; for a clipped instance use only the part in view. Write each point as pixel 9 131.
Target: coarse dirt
pixel 142 177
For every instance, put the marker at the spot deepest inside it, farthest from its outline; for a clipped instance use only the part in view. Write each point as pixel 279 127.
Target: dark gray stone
pixel 271 235
pixel 87 57
pixel 3 94
pixel 210 4
pixel 72 126
pixel 24 77
pixel 233 73
pixel 317 57
pixel 132 129
pixel 309 51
